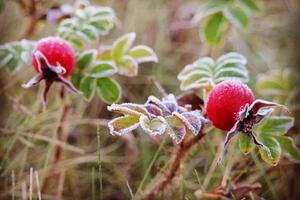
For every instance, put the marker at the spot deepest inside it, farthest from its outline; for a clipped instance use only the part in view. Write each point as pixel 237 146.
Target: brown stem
pixel 158 86
pixel 30 10
pixel 165 179
pixel 58 148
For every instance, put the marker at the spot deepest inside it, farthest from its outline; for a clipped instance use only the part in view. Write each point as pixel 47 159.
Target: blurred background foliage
pixel 27 139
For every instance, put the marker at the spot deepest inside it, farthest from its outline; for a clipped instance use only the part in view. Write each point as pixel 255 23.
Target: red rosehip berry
pixel 57 52
pixel 225 102
pixel 54 60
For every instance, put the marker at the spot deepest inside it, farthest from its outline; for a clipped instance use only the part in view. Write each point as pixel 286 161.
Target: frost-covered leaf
pixel 87 25
pixel 103 69
pixel 236 15
pixel 176 129
pixel 159 116
pixel 288 147
pixel 142 53
pixel 108 90
pixel 16 54
pixel 165 106
pixel 231 66
pixel 205 72
pixel 156 126
pixel 214 29
pixel 154 109
pixel 127 66
pixel 123 125
pixel 252 5
pixel 86 58
pixel 87 87
pixel 122 45
pixel 204 65
pixel 245 143
pixel 211 7
pixel 275 125
pixel 105 53
pixel 191 120
pixel 129 109
pixel 126 58
pixel 274 148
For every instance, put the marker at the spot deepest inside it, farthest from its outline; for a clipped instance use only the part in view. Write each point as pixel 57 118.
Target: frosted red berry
pixel 53 59
pixel 58 53
pixel 225 101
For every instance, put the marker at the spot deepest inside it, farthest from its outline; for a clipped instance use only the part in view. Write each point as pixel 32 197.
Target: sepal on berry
pixel 249 116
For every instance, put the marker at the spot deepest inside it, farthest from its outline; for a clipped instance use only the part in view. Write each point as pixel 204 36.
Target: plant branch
pixel 30 10
pixel 58 148
pixel 174 164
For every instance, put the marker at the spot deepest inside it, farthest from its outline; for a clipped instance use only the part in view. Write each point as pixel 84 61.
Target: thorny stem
pixel 174 164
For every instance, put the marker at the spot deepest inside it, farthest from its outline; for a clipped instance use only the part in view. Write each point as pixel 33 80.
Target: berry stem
pixel 159 185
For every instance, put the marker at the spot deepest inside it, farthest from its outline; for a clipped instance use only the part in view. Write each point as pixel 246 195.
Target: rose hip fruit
pixel 58 53
pixel 225 102
pixel 54 60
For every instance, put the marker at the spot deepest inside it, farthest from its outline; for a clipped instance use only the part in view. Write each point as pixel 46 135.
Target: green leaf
pixel 156 126
pixel 127 66
pixel 108 90
pixel 105 53
pixel 90 32
pixel 13 55
pixel 276 83
pixel 206 72
pixel 123 125
pixel 251 5
pixel 274 148
pixel 237 16
pixel 103 26
pixel 13 64
pixel 87 87
pixel 86 58
pixel 86 25
pixel 75 41
pixel 288 146
pixel 245 143
pixel 271 87
pixel 214 29
pixel 103 69
pixel 122 45
pixel 278 125
pixel 197 79
pixel 76 79
pixel 142 53
pixel 210 8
